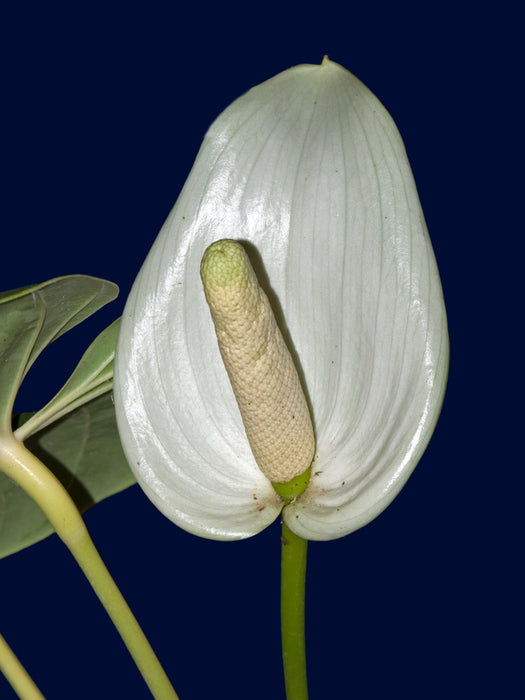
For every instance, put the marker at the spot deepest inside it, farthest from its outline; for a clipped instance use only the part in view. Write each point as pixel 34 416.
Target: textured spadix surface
pixel 261 370
pixel 309 171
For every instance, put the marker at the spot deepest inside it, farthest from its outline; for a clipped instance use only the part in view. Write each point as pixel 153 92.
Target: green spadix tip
pixel 294 488
pixel 224 264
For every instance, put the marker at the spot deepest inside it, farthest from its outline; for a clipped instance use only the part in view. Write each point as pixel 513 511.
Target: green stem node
pixel 294 488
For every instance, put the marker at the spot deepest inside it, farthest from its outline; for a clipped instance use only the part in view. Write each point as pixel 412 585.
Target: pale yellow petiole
pixel 43 487
pixel 18 677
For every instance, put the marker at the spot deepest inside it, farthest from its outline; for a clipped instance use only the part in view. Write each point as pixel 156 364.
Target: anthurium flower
pixel 308 172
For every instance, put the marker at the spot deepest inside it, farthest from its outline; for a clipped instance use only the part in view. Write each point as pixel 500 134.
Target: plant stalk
pixel 18 677
pixel 293 577
pixel 45 489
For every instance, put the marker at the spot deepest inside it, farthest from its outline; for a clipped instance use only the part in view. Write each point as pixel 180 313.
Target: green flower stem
pixel 16 674
pixel 44 488
pixel 293 575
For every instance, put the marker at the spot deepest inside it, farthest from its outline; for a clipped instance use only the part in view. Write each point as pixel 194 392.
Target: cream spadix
pixel 261 370
pixel 308 171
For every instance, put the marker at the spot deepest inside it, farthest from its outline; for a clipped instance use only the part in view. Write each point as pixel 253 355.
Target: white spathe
pixel 309 170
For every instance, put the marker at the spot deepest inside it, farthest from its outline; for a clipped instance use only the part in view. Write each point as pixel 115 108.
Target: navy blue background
pixel 104 109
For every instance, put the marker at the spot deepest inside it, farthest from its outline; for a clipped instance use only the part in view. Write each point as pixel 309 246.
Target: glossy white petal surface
pixel 310 171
